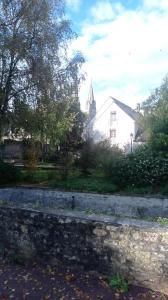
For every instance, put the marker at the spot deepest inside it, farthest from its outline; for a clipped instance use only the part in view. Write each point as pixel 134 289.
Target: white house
pixel 122 125
pixel 119 123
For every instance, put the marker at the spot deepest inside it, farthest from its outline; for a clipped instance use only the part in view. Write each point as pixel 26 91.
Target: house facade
pixel 122 125
pixel 115 121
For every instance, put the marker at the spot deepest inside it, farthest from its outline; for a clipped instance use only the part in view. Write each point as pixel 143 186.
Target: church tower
pixel 91 111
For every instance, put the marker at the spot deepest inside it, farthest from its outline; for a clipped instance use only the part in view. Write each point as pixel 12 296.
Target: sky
pixel 125 45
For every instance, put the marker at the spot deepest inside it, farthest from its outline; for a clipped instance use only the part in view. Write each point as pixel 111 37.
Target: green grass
pixel 92 183
pixel 52 178
pixel 39 176
pixel 86 185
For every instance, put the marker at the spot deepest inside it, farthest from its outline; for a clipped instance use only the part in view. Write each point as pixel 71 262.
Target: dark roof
pixel 127 109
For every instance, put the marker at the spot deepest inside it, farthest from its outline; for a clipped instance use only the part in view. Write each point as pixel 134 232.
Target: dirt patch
pixel 42 282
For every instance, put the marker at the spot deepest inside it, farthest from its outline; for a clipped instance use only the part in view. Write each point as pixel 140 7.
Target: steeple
pixel 90 99
pixel 91 110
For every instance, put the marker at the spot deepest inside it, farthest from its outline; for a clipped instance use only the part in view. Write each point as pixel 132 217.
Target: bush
pixel 99 156
pixel 87 158
pixel 106 157
pixel 9 173
pixel 141 168
pixel 67 159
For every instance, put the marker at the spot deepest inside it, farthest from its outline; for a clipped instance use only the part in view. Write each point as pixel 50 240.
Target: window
pixel 112 133
pixel 112 117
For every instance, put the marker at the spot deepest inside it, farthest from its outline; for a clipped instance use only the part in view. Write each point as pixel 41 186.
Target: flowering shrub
pixel 140 169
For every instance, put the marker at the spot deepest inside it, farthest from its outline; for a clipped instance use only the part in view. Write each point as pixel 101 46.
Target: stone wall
pixel 135 249
pixel 108 204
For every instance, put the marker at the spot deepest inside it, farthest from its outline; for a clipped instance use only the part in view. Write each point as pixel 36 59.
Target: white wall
pixel 124 125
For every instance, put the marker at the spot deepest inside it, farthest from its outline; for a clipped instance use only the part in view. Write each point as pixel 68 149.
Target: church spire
pixel 91 110
pixel 90 99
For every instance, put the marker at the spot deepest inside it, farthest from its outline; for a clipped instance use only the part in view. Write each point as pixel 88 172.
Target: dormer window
pixel 112 117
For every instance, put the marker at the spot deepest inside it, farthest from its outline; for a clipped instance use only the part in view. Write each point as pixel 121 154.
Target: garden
pixel 98 168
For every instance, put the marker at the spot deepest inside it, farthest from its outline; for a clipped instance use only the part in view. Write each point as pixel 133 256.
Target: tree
pixel 155 120
pixel 36 76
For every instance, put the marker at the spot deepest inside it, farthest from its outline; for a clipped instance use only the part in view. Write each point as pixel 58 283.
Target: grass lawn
pixel 52 176
pixel 74 181
pixel 95 182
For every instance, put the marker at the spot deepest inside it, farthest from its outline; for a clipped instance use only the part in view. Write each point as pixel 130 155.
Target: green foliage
pixel 67 159
pixel 106 157
pixel 53 178
pixel 163 221
pixel 87 158
pixel 39 176
pixel 141 168
pixel 99 156
pixel 155 121
pixel 118 283
pixel 8 173
pixel 38 81
pixel 73 137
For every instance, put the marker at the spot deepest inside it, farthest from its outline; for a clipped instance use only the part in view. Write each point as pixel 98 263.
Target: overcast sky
pixel 125 44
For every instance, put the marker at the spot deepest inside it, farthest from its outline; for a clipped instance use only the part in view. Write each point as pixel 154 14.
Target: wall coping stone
pixel 126 206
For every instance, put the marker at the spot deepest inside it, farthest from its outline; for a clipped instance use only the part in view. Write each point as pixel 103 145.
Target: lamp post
pixel 131 137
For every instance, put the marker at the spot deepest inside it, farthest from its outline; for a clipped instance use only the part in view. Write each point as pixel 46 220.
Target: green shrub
pixel 139 169
pixel 99 156
pixel 67 158
pixel 118 283
pixel 111 160
pixel 87 158
pixel 9 173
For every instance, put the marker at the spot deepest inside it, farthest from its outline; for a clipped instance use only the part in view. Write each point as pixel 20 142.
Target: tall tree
pixel 155 120
pixel 35 72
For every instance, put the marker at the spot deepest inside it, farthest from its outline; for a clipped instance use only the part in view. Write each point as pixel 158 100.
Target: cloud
pixel 73 4
pixel 156 4
pixel 127 54
pixel 104 10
